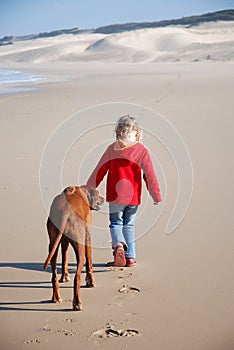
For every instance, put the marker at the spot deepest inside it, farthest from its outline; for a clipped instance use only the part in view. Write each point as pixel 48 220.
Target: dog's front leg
pixel 90 283
pixel 80 257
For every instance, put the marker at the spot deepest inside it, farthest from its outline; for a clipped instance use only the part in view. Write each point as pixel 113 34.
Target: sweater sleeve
pixel 150 177
pixel 100 171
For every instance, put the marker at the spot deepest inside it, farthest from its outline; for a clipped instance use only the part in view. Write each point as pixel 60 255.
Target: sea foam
pixel 14 76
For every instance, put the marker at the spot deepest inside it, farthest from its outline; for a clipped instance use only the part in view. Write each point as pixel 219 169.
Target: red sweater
pixel 124 174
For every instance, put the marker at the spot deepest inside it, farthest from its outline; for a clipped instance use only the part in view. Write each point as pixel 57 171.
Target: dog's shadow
pixel 35 266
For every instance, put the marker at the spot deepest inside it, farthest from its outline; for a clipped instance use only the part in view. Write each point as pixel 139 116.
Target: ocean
pixel 14 76
pixel 10 81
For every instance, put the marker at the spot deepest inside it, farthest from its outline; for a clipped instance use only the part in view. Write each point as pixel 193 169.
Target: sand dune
pixel 174 43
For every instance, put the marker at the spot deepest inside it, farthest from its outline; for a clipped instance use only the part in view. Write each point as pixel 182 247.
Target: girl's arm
pixel 150 177
pixel 100 171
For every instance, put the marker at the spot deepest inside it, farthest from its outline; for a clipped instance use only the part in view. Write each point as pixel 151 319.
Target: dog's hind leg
pixel 65 275
pixel 53 235
pixel 56 295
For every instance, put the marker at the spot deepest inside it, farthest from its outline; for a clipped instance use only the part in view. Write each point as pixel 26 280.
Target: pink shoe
pixel 130 262
pixel 119 257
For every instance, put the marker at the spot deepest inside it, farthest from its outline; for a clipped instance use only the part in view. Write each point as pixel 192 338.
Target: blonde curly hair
pixel 125 125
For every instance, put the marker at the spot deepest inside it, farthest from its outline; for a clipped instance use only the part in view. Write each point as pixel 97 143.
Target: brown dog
pixel 69 222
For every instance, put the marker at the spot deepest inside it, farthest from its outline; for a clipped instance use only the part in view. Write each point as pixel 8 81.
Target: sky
pixel 22 17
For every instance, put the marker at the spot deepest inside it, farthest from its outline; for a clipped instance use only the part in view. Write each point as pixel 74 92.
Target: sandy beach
pixel 180 294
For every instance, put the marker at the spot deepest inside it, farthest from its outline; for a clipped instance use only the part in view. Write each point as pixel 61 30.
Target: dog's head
pixel 91 193
pixel 93 196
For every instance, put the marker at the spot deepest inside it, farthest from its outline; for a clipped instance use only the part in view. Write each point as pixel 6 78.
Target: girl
pixel 124 160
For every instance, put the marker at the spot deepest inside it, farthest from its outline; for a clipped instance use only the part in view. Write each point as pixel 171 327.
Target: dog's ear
pixel 70 190
pixel 86 191
pixel 92 196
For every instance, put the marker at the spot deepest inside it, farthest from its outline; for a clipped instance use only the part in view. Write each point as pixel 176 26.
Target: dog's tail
pixel 51 253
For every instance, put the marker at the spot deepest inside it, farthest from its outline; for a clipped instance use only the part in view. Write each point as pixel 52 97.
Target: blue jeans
pixel 122 226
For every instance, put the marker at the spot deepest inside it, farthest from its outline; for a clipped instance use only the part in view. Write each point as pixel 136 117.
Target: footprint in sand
pixel 67 332
pixel 111 332
pixel 126 289
pixel 69 320
pixel 32 341
pixel 119 300
pixel 125 276
pixel 123 272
